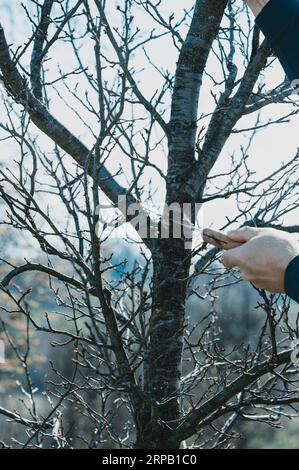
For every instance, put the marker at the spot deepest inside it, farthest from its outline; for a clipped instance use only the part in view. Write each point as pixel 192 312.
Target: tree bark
pixel 171 260
pixel 163 364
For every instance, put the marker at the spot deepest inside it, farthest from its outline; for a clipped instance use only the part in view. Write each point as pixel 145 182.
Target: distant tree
pixel 85 131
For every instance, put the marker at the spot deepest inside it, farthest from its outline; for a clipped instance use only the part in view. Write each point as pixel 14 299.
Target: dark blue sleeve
pixel 291 279
pixel 279 22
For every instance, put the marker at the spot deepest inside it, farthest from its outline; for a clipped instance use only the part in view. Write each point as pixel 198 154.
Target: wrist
pixel 291 279
pixel 256 6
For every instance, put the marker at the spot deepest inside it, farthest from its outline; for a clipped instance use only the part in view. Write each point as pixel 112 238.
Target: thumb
pixel 231 258
pixel 243 234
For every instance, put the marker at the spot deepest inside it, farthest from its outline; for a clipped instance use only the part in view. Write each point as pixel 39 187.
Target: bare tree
pixel 86 134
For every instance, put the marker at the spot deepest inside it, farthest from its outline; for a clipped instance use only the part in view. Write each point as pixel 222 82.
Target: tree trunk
pixel 171 259
pixel 163 375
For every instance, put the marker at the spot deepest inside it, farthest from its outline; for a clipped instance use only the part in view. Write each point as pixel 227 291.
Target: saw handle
pixel 219 239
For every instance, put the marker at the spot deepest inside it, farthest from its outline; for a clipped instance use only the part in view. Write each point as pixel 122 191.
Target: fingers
pixel 243 234
pixel 231 258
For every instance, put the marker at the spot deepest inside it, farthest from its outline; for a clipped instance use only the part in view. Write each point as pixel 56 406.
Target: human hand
pixel 263 256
